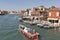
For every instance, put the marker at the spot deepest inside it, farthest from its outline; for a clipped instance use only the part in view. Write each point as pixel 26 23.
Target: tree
pixel 52 7
pixel 27 10
pixel 42 6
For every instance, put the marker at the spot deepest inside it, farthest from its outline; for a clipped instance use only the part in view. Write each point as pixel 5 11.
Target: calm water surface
pixel 9 29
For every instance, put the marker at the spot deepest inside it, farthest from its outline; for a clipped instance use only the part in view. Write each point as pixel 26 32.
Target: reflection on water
pixel 9 29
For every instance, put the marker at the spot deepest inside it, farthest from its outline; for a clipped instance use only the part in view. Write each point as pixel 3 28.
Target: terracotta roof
pixel 55 9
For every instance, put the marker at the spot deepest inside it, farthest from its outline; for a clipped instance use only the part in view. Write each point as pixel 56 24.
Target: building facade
pixel 54 16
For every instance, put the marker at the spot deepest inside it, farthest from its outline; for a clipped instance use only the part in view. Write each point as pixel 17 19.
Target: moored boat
pixel 2 13
pixel 29 33
pixel 33 23
pixel 25 19
pixel 40 25
pixel 46 26
pixel 20 19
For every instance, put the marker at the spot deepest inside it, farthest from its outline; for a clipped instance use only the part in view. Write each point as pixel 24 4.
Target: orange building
pixel 54 16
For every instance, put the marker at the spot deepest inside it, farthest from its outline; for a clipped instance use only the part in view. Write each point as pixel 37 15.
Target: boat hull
pixel 28 35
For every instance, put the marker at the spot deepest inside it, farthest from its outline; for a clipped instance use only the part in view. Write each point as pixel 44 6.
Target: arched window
pixel 33 18
pixel 36 18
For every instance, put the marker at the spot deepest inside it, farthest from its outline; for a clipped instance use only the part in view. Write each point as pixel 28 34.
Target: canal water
pixel 9 29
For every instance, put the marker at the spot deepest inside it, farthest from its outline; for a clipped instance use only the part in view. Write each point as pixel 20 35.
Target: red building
pixel 54 16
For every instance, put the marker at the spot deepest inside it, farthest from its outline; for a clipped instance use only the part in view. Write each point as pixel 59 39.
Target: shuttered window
pixel 57 13
pixel 49 13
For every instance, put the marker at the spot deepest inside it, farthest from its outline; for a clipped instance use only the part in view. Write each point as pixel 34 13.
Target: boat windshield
pixel 22 26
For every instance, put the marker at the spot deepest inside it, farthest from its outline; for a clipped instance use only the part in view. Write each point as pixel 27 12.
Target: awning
pixel 52 18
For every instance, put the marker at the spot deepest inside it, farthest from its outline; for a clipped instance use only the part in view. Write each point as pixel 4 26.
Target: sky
pixel 24 4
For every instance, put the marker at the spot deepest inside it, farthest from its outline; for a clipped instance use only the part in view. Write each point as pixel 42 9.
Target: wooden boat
pixel 29 33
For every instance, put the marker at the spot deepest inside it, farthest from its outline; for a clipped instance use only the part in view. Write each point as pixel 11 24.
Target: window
pixel 49 13
pixel 57 13
pixel 56 21
pixel 33 18
pixel 41 8
pixel 53 21
pixel 36 18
